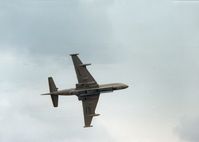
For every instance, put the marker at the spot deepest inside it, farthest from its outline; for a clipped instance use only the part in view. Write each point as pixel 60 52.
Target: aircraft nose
pixel 121 86
pixel 125 86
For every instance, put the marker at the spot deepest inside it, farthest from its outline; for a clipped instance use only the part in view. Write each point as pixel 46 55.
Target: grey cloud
pixel 49 27
pixel 188 129
pixel 27 116
pixel 150 45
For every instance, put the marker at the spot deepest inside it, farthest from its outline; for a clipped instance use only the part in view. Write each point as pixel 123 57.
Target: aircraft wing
pixel 89 104
pixel 83 75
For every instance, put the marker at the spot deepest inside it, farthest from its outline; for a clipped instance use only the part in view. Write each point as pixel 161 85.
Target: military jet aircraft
pixel 87 90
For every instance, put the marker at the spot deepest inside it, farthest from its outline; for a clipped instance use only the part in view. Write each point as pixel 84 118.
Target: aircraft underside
pixel 87 90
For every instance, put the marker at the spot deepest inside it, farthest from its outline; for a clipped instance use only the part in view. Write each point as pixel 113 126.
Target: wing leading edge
pixel 89 104
pixel 85 79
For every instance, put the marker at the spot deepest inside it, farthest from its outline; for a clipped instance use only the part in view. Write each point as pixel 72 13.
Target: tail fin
pixel 53 88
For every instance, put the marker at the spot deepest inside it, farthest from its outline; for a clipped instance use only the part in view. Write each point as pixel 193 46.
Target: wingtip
pixel 75 54
pixel 88 126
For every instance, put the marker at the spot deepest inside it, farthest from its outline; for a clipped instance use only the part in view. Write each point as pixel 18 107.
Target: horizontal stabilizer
pixel 55 100
pixel 53 88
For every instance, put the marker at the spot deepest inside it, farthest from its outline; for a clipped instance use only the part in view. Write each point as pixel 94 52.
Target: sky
pixel 151 45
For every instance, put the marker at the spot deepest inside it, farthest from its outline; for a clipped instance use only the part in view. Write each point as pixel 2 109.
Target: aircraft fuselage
pixel 87 90
pixel 81 92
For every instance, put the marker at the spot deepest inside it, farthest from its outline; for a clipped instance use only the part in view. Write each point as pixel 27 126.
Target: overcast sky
pixel 152 46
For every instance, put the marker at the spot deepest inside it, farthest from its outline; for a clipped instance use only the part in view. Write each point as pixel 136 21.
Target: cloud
pixel 52 28
pixel 188 129
pixel 150 45
pixel 27 116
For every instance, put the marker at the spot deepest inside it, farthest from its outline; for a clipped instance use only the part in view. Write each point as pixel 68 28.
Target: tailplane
pixel 53 88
